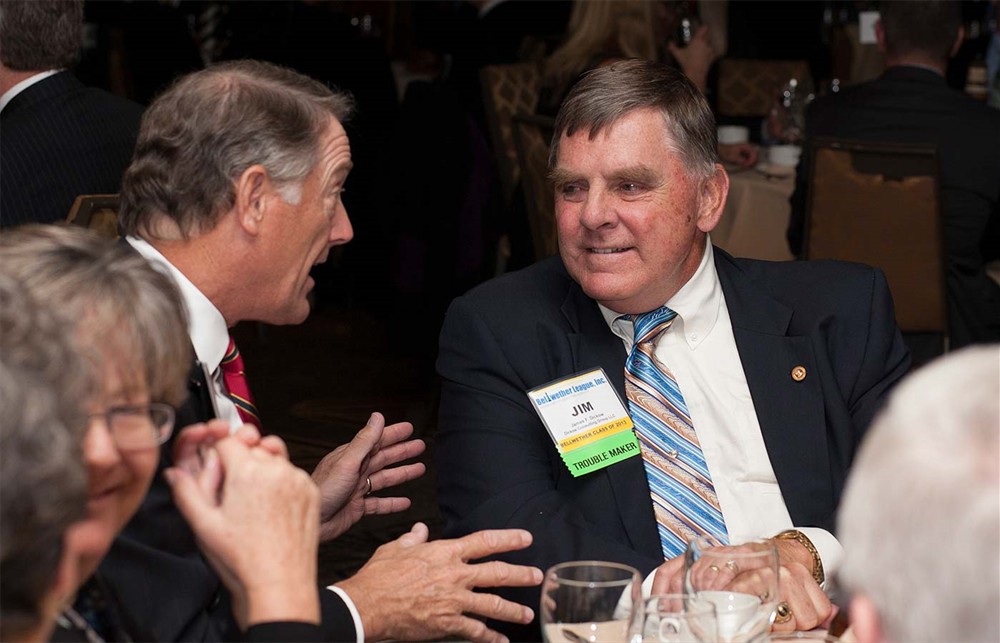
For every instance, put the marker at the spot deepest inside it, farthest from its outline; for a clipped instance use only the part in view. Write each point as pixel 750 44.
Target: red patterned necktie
pixel 235 379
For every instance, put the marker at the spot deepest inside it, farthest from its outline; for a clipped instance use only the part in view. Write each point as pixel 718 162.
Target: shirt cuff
pixel 831 552
pixel 358 626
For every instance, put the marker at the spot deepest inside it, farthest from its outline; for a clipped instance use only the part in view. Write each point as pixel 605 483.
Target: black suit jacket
pixel 498 467
pixel 60 140
pixel 915 105
pixel 160 579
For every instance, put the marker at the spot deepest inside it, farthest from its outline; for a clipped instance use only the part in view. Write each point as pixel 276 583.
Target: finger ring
pixel 368 490
pixel 732 566
pixel 783 613
pixel 766 595
pixel 714 568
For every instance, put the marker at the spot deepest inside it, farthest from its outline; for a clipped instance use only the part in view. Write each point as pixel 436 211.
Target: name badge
pixel 587 421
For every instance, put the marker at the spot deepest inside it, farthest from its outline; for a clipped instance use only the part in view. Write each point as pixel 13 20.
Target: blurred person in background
pixel 42 480
pixel 920 521
pixel 912 103
pixel 61 139
pixel 603 31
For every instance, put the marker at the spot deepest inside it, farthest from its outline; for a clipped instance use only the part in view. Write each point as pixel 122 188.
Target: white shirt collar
pixel 696 304
pixel 206 325
pixel 24 84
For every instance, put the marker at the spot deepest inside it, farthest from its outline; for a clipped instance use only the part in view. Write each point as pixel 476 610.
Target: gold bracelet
pixel 794 534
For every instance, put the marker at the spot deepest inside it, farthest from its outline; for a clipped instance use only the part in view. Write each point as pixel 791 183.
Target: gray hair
pixel 605 95
pixel 122 312
pixel 920 520
pixel 42 480
pixel 38 35
pixel 198 137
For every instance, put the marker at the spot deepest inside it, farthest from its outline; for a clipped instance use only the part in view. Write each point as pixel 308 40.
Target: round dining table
pixel 756 214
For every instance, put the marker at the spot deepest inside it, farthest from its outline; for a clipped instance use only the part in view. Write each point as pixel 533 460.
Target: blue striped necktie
pixel 684 499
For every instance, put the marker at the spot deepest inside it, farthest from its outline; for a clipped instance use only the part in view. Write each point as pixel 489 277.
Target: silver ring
pixel 733 567
pixel 368 484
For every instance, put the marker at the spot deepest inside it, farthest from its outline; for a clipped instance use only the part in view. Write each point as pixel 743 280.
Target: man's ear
pixel 254 194
pixel 712 199
pixel 864 620
pixel 880 35
pixel 959 39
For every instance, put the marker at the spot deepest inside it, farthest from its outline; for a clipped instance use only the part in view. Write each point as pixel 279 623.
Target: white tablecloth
pixel 756 216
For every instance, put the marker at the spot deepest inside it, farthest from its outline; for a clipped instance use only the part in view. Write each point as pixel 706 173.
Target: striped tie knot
pixel 648 325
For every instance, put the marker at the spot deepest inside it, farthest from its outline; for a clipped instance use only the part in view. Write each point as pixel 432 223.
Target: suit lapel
pixel 594 345
pixel 790 411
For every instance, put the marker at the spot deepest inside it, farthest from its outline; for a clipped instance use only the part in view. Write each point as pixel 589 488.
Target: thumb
pixel 416 536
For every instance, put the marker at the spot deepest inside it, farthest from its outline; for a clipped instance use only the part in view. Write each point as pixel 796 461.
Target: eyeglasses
pixel 139 426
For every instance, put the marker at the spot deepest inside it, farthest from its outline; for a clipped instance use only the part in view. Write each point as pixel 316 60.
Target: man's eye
pixel 630 187
pixel 571 191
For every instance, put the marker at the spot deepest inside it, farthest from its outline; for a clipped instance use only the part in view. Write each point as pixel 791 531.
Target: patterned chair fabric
pixel 532 135
pixel 508 90
pixel 749 87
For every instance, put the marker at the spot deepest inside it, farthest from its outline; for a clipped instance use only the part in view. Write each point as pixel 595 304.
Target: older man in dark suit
pixel 751 391
pixel 60 138
pixel 912 103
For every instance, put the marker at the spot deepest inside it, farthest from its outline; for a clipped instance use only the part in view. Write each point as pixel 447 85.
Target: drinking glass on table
pixel 741 581
pixel 678 618
pixel 589 601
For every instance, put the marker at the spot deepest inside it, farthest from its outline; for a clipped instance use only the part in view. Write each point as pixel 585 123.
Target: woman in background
pixel 603 31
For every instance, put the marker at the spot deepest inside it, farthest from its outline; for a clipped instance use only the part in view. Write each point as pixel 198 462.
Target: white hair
pixel 920 520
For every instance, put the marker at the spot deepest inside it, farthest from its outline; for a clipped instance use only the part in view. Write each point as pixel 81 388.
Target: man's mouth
pixel 606 251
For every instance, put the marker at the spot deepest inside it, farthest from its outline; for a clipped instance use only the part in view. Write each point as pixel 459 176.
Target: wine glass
pixel 678 618
pixel 741 581
pixel 589 601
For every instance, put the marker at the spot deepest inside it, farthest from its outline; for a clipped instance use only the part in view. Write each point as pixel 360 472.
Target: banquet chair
pixel 508 90
pixel 879 204
pixel 748 87
pixel 531 139
pixel 98 212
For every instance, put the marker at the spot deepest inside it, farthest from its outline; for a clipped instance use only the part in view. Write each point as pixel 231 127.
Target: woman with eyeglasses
pixel 126 320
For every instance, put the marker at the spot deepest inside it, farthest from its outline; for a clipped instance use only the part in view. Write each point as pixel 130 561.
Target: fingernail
pixel 536 575
pixel 170 476
pixel 529 615
pixel 211 459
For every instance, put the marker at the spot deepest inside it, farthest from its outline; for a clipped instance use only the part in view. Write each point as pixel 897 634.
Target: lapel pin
pixel 799 373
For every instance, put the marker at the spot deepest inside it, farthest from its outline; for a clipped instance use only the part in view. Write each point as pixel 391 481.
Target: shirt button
pixel 694 337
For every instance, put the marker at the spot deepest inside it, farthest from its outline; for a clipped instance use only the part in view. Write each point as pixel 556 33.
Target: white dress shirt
pixel 210 337
pixel 23 85
pixel 206 327
pixel 700 350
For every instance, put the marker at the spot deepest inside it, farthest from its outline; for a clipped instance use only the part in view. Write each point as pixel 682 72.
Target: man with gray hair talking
pixel 920 521
pixel 235 191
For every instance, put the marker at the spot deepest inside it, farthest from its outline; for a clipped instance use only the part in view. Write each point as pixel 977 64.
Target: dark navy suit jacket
pixel 62 139
pixel 158 576
pixel 497 466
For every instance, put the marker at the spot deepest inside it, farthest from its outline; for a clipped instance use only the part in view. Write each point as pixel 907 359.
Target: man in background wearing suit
pixel 776 368
pixel 235 192
pixel 912 103
pixel 60 138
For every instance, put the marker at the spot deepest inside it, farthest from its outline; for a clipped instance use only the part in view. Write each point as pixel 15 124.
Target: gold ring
pixel 783 613
pixel 368 483
pixel 733 567
pixel 714 568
